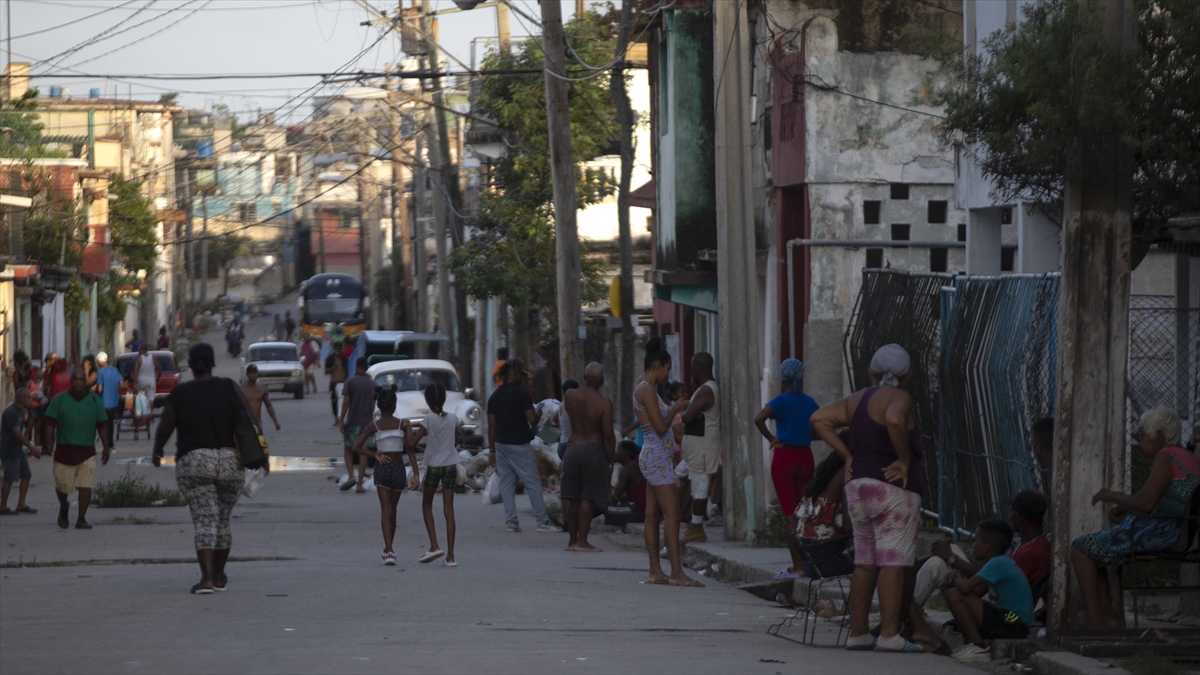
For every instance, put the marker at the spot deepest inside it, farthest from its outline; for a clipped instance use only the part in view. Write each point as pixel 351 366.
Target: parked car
pixel 412 376
pixel 278 366
pixel 166 380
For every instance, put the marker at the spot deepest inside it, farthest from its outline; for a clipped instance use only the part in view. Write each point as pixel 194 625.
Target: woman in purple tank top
pixel 883 492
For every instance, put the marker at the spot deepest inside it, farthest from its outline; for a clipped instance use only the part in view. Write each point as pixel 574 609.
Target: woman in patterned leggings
pixel 207 467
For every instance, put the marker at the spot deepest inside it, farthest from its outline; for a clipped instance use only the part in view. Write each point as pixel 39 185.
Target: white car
pixel 412 376
pixel 278 366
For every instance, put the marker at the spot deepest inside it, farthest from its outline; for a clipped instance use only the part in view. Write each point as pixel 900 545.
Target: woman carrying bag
pixel 216 442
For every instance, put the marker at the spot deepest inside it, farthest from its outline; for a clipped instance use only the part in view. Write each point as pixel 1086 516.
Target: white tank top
pixel 147 369
pixel 389 440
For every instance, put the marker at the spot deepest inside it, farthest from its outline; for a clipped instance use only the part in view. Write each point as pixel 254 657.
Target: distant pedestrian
pixel 337 365
pixel 60 378
pixel 72 422
pixel 656 463
pixel 164 340
pixel 498 366
pixel 791 446
pixel 510 431
pixel 258 395
pixel 386 437
pixel 309 355
pixel 108 380
pixel 884 484
pixel 358 409
pixel 279 330
pixel 701 442
pixel 440 431
pixel 207 467
pixel 89 369
pixel 135 343
pixel 290 324
pixel 588 461
pixel 146 372
pixel 13 446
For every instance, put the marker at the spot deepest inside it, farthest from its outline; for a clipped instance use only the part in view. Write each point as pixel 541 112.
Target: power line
pixel 144 37
pixel 101 35
pixel 75 21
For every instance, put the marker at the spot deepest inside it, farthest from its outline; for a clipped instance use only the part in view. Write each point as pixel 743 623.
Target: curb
pixel 1070 663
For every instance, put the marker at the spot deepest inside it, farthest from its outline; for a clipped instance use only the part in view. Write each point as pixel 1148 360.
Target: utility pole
pixel 558 121
pixel 204 253
pixel 1093 335
pixel 620 97
pixel 401 253
pixel 579 7
pixel 737 294
pixel 420 180
pixel 319 225
pixel 502 32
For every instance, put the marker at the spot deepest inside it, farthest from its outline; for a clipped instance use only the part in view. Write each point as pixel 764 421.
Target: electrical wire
pixel 72 22
pixel 144 37
pixel 100 36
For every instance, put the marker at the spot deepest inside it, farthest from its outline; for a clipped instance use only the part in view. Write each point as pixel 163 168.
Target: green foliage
pixel 20 115
pixel 132 224
pixel 1150 662
pixel 75 299
pixel 54 229
pixel 1056 80
pixel 512 249
pixel 130 491
pixel 110 306
pixel 777 533
pixel 170 98
pixel 223 250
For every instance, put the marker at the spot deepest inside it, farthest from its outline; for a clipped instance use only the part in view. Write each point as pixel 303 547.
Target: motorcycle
pixel 233 337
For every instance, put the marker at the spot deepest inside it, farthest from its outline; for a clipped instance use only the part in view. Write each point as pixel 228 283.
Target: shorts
pixel 16 468
pixel 392 475
pixel 791 469
pixel 311 371
pixel 701 453
pixel 885 520
pixel 445 476
pixel 68 477
pixel 585 474
pixel 351 436
pixel 999 624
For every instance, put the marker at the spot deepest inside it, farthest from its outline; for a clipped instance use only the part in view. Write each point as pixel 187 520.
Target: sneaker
pixel 693 533
pixel 548 528
pixel 972 653
pixel 512 527
pixel 389 558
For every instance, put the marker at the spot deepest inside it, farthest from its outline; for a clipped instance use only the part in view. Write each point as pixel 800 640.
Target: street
pixel 308 593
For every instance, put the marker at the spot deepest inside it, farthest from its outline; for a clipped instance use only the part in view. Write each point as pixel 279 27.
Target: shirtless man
pixel 587 463
pixel 258 395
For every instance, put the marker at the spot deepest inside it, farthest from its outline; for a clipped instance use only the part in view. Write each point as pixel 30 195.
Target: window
pixel 247 213
pixel 874 257
pixel 938 259
pixel 899 191
pixel 937 211
pixel 962 231
pixel 416 379
pixel 1008 256
pixel 1006 216
pixel 871 212
pixel 900 232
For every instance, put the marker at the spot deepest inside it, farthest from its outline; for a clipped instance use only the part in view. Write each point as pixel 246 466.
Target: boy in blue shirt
pixel 979 620
pixel 108 383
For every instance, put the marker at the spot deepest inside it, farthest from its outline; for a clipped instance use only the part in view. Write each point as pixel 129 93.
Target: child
pixel 822 525
pixel 630 487
pixel 390 477
pixel 979 620
pixel 440 428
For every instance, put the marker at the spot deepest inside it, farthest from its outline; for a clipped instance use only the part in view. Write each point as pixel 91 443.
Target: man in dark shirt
pixel 336 367
pixel 510 419
pixel 358 410
pixel 12 452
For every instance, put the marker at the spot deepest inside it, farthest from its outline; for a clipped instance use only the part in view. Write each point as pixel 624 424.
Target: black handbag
pixel 247 437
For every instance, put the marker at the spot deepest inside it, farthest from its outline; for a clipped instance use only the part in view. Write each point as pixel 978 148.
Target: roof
pixel 410 364
pixel 643 196
pixel 107 104
pixel 274 344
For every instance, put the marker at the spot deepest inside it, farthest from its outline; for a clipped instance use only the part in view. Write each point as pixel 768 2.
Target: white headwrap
pixel 891 363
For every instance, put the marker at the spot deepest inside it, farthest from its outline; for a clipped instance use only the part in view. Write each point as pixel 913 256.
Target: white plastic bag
pixel 491 493
pixel 141 405
pixel 254 481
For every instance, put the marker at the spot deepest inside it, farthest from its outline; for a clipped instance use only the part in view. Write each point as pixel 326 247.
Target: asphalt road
pixel 307 592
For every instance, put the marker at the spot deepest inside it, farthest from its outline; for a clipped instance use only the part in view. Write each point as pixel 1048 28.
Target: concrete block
pixel 1070 663
pixel 635 528
pixel 1017 650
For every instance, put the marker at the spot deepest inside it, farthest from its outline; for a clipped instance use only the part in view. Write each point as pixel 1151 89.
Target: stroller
pixel 138 411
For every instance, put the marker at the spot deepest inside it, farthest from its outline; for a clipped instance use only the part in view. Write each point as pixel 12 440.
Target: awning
pixel 643 196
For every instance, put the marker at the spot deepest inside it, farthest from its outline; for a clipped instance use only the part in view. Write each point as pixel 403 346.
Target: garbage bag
pixel 254 481
pixel 491 493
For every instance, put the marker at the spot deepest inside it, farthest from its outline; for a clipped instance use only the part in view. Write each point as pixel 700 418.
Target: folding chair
pixel 1186 550
pixel 813 588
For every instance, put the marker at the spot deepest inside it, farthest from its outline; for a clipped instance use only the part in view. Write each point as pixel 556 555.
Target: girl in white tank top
pixel 390 477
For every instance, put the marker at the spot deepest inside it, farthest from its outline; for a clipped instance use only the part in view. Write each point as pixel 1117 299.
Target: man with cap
pixel 108 379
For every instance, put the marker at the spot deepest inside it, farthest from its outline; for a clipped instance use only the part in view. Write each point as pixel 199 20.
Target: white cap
pixel 102 357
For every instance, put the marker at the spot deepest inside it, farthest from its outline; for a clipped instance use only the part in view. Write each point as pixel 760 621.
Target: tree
pixel 223 250
pixel 1025 100
pixel 54 226
pixel 110 302
pixel 132 224
pixel 169 98
pixel 20 115
pixel 511 251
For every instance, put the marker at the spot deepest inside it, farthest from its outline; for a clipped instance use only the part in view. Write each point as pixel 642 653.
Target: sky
pixel 223 37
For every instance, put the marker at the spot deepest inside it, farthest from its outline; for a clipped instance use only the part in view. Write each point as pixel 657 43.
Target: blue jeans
pixel 513 461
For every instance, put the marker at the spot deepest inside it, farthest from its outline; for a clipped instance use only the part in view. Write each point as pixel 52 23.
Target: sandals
pixel 222 587
pixel 200 590
pixel 27 509
pixel 449 563
pixel 8 512
pixel 430 556
pixel 786 574
pixel 865 647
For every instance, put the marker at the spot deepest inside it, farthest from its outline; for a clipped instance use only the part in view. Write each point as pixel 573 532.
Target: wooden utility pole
pixel 401 228
pixel 620 97
pixel 502 31
pixel 558 120
pixel 1093 335
pixel 420 180
pixel 204 253
pixel 319 225
pixel 737 287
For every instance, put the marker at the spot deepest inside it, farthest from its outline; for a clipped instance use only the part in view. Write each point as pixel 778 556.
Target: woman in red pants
pixel 792 460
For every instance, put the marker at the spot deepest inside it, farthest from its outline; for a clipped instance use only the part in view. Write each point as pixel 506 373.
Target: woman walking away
pixel 792 459
pixel 883 489
pixel 390 477
pixel 656 463
pixel 440 431
pixel 207 466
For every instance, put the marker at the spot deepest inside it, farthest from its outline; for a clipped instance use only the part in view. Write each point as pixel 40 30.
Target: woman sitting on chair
pixel 1149 521
pixel 822 526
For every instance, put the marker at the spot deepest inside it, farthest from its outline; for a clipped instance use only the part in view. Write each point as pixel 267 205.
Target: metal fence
pixel 983 351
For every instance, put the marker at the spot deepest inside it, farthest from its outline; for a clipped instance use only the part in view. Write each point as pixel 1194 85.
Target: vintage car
pixel 412 376
pixel 167 379
pixel 278 366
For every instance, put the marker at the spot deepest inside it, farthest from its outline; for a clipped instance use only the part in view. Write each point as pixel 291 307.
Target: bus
pixel 330 300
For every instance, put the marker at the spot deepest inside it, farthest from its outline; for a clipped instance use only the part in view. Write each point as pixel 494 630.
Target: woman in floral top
pixel 822 527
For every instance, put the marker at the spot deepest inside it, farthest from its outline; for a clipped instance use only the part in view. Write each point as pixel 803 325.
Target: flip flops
pixel 865 647
pixel 27 509
pixel 449 563
pixel 786 574
pixel 430 556
pixel 200 590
